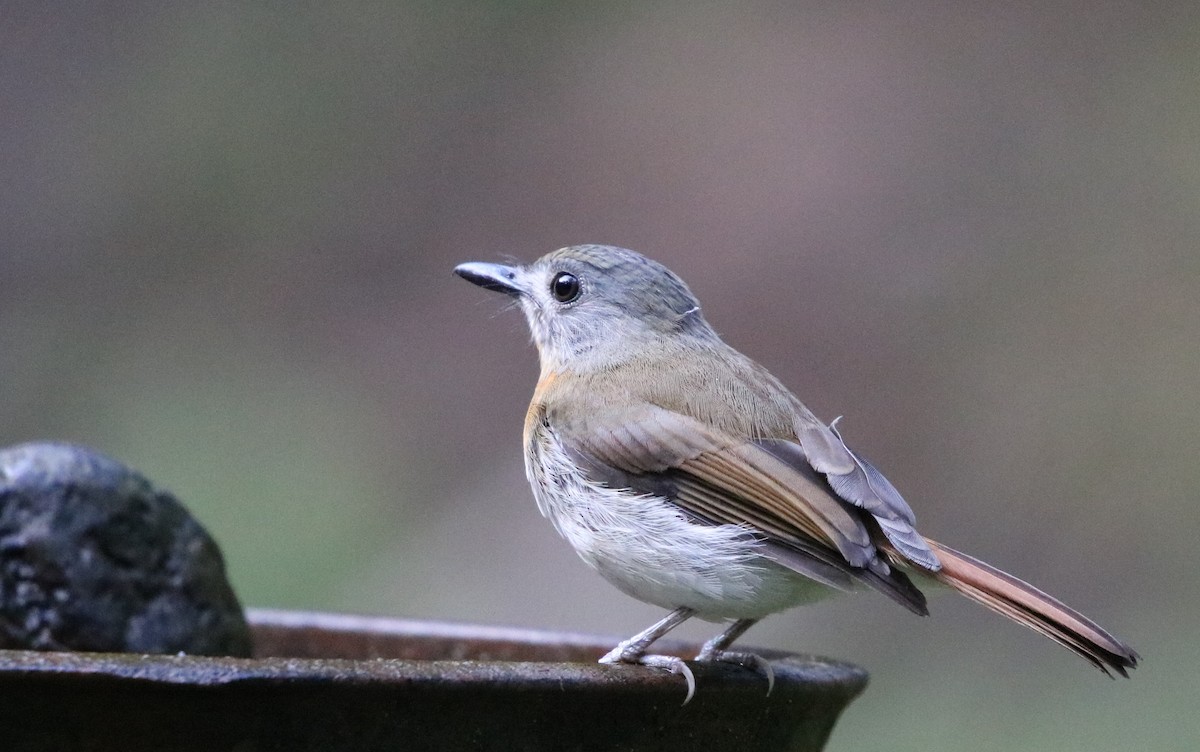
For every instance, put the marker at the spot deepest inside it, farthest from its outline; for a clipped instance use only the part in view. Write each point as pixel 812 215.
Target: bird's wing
pixel 719 479
pixel 855 480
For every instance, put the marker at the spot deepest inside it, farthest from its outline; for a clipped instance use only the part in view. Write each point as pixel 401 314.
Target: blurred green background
pixel 226 235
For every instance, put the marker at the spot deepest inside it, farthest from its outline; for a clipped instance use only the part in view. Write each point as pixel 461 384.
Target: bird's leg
pixel 716 650
pixel 633 650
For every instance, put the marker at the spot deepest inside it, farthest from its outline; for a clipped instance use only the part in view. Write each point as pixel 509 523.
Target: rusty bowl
pixel 332 682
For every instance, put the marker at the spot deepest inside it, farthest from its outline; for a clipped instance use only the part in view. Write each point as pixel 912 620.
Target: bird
pixel 691 478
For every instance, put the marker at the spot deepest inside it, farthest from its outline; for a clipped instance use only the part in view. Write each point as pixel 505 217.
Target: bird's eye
pixel 564 287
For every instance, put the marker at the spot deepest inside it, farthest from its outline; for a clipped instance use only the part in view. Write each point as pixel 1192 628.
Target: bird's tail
pixel 1026 605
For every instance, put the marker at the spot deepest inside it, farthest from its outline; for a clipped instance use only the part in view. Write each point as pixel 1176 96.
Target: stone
pixel 93 557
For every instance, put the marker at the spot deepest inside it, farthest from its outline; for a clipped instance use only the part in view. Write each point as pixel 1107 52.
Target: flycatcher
pixel 691 478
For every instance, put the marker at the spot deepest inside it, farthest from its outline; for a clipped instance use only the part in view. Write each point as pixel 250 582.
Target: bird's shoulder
pixel 720 388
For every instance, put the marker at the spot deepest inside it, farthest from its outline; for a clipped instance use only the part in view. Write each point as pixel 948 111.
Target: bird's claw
pixel 675 666
pixel 746 660
pixel 669 662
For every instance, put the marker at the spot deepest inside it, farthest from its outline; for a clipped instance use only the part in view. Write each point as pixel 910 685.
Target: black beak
pixel 490 276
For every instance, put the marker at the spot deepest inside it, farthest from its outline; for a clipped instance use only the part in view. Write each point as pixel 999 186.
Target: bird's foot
pixel 751 661
pixel 623 654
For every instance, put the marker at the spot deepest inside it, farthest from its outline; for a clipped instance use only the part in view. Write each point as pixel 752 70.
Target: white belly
pixel 647 548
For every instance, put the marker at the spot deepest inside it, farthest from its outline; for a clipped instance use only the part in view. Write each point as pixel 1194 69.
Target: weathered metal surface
pixel 339 683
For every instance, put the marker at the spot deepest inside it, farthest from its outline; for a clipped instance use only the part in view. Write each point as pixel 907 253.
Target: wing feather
pixel 859 483
pixel 719 479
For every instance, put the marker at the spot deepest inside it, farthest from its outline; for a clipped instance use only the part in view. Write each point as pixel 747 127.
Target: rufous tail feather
pixel 1026 605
